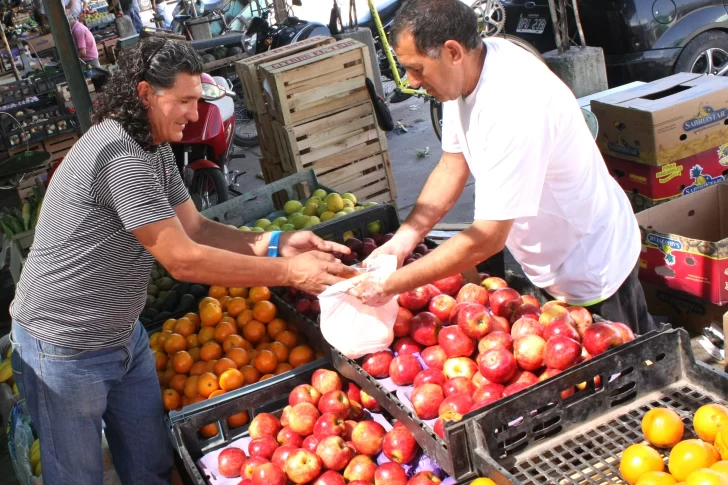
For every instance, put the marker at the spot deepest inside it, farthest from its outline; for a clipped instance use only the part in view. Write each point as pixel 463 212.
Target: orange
pixel 656 478
pixel 194 318
pixel 288 338
pixel 224 364
pixel 259 293
pixel 223 331
pixel 195 353
pixel 708 420
pixel 229 320
pixel 231 342
pixel 246 345
pixel 231 379
pixel 263 346
pixel 282 367
pixel 168 326
pixel 191 387
pixel 219 392
pixel 153 339
pixel 185 401
pixel 210 351
pixel 250 374
pixel 236 306
pixel 265 362
pixel 300 355
pixel 721 443
pixel 244 317
pixel 280 351
pixel 254 331
pixel 224 303
pixel 175 342
pixel 160 360
pixel 210 365
pixel 721 467
pixel 193 341
pixel 638 460
pixel 267 376
pixel 184 327
pixel 207 384
pixel 706 476
pixel 240 292
pixel 266 339
pixel 162 339
pixel 210 315
pixel 319 355
pixel 206 334
pixel 264 311
pixel 252 354
pixel 275 327
pixel 198 368
pixel 690 455
pixel 182 362
pixel 239 356
pixel 217 292
pixel 238 420
pixel 196 399
pixel 178 383
pixel 171 399
pixel 209 431
pixel 662 427
pixel 207 300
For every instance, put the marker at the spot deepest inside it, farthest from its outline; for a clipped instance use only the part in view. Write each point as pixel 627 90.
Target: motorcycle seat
pixel 228 40
pixel 387 9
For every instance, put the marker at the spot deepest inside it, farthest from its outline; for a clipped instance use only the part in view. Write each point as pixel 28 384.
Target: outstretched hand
pixel 295 243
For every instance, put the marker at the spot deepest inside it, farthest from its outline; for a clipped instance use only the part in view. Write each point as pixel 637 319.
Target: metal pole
pixel 281 10
pixel 10 54
pixel 70 61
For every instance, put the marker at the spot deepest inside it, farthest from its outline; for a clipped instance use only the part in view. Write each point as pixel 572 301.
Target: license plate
pixel 531 23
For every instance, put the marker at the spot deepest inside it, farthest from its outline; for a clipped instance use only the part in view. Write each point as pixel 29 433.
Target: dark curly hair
pixel 157 61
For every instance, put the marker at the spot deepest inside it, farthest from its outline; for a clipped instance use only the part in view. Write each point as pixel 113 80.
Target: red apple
pixel 495 340
pixel 504 302
pixel 230 461
pixel 329 424
pixel 526 310
pixel 404 369
pixel 402 324
pixel 424 328
pixel 356 411
pixel 335 402
pixel 554 313
pixel 303 306
pixel 287 437
pixel 443 420
pixel 369 403
pixel 498 365
pixel 246 471
pixel 330 478
pixel 310 443
pixel 361 467
pixel 582 318
pixel 526 326
pixel 528 351
pixel 458 385
pixel 377 364
pixel 426 400
pixel 460 366
pixel 474 320
pixel 493 283
pixel 450 285
pixel 399 445
pixel 625 331
pixel 326 381
pixel 264 424
pixel 424 478
pixel 284 415
pixel 304 393
pixel 487 392
pixel 303 466
pixel 479 380
pixel 434 357
pixel 454 314
pixel 263 446
pixel 473 294
pixel 354 393
pixel 548 373
pixel 457 403
pixel 434 291
pixel 349 424
pixel 416 299
pixel 281 455
pixel 531 300
pixel 561 352
pixel 406 345
pixel 499 323
pixel 514 388
pixel 367 438
pixel 561 328
pixel 269 474
pixel 600 337
pixel 455 343
pixel 334 453
pixel 552 303
pixel 434 376
pixel 303 418
pixel 441 306
pixel 390 474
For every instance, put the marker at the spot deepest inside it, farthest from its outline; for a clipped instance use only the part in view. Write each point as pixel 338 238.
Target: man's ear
pixel 144 89
pixel 455 51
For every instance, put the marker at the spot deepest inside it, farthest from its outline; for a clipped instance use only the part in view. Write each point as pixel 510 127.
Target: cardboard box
pixel 41 43
pixel 648 186
pixel 685 244
pixel 665 120
pixel 682 309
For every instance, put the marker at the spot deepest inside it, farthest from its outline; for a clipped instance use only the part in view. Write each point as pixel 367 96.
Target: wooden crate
pixel 35 178
pixel 267 143
pixel 370 179
pixel 64 93
pixel 250 79
pixel 317 83
pixel 272 170
pixel 33 146
pixel 60 145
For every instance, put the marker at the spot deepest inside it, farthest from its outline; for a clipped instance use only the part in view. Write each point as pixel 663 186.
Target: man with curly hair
pixel 116 203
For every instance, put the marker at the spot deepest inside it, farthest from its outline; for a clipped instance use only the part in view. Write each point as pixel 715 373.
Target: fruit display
pixel 166 296
pixel 673 454
pixel 233 340
pixel 6 372
pixel 17 221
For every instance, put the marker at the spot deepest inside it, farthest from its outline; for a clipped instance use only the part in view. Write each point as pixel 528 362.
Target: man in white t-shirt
pixel 541 187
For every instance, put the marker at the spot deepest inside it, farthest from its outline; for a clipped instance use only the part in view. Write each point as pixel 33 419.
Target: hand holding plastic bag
pixel 352 327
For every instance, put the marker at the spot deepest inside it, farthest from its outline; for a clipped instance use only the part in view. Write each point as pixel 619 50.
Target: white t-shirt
pixel 534 161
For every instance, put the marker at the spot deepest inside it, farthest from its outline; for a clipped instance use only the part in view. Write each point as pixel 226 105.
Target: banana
pixel 34 458
pixel 6 372
pixel 10 353
pixel 35 446
pixel 37 470
pixel 15 388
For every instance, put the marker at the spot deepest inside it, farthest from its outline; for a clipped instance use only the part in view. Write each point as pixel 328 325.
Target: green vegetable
pixel 26 215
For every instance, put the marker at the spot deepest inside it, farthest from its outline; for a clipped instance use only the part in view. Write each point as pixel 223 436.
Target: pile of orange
pixel 697 461
pixel 233 340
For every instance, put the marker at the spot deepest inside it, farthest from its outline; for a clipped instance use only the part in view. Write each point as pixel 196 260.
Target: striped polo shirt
pixel 85 280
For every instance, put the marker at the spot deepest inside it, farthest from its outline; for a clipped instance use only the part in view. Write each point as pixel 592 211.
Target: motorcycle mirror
pixel 255 25
pixel 213 92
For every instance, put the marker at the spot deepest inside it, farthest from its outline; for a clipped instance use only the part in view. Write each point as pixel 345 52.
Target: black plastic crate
pixel 46 107
pixel 357 223
pixel 16 91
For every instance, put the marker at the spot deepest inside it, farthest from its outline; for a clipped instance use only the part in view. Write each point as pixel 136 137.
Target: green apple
pixel 291 206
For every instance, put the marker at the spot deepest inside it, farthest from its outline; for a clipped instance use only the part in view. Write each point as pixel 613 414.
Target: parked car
pixel 643 40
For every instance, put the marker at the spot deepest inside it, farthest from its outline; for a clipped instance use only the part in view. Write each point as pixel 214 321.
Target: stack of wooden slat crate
pixel 313 111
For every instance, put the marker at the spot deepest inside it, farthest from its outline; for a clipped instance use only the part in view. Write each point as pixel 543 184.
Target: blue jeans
pixel 136 17
pixel 70 391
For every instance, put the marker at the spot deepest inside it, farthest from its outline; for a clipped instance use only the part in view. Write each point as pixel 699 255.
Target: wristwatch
pixel 275 237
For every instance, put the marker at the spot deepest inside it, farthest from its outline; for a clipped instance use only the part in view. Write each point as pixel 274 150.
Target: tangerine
pixel 231 342
pixel 153 339
pixel 319 355
pixel 224 364
pixel 656 478
pixel 193 341
pixel 690 455
pixel 259 293
pixel 219 392
pixel 210 315
pixel 250 374
pixel 217 292
pixel 224 303
pixel 239 419
pixel 184 327
pixel 198 368
pixel 266 376
pixel 708 420
pixel 706 476
pixel 196 399
pixel 239 356
pixel 210 351
pixel 721 467
pixel 303 354
pixel 244 317
pixel 263 346
pixel 279 350
pixel 254 331
pixel 282 367
pixel 228 319
pixel 182 362
pixel 175 342
pixel 208 431
pixel 265 362
pixel 191 387
pixel 178 383
pixel 207 384
pixel 168 325
pixel 240 292
pixel 210 365
pixel 264 311
pixel 223 330
pixel 195 353
pixel 275 327
pixel 194 318
pixel 288 338
pixel 721 443
pixel 207 300
pixel 236 306
pixel 206 334
pixel 171 399
pixel 662 427
pixel 231 379
pixel 162 339
pixel 160 360
pixel 638 460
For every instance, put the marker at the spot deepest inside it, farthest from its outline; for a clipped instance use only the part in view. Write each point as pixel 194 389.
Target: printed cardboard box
pixel 682 309
pixel 665 120
pixel 647 186
pixel 685 244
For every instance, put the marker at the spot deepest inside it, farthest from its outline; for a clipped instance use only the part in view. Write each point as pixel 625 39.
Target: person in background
pixel 131 9
pixel 85 42
pixel 161 9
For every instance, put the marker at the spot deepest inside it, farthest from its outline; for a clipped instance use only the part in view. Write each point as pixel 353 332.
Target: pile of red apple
pixel 464 346
pixel 322 437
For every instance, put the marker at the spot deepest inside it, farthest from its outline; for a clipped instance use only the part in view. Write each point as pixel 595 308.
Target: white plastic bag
pixel 353 328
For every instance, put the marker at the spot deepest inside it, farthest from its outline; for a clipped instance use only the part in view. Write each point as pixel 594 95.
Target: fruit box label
pixel 293 61
pixel 680 308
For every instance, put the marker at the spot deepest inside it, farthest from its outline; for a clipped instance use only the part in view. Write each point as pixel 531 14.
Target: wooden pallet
pixel 250 79
pixel 317 83
pixel 60 145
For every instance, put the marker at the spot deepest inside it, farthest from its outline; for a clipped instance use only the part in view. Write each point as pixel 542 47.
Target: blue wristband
pixel 275 236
